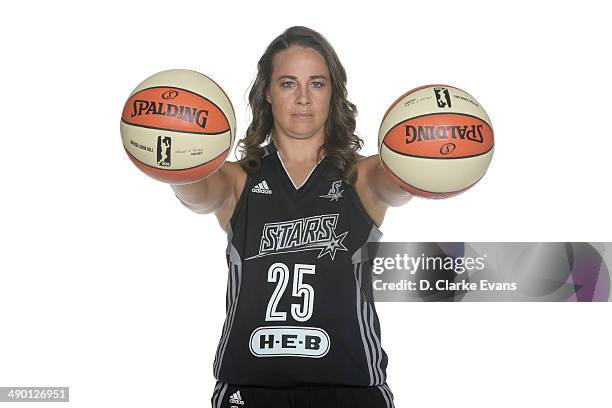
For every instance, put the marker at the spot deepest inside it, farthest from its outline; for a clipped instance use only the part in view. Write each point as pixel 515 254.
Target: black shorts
pixel 240 396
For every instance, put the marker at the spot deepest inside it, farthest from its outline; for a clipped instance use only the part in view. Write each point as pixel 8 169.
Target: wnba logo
pixel 163 150
pixel 442 97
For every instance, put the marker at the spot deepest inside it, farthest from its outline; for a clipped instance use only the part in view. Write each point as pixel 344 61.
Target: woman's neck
pixel 296 151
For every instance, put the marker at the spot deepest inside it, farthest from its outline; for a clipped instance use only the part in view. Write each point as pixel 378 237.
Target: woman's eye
pixel 287 84
pixel 317 84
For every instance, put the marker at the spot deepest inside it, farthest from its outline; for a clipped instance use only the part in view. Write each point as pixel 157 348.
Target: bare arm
pixel 376 190
pixel 217 193
pixel 385 189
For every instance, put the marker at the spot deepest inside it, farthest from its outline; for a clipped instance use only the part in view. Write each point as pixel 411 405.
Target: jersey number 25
pixel 279 273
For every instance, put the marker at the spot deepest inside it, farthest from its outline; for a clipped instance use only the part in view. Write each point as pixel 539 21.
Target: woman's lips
pixel 302 115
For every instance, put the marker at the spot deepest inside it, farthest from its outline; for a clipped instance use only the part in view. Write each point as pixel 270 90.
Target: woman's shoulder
pixel 366 163
pixel 237 175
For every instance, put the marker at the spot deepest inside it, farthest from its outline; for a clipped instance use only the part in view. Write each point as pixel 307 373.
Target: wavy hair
pixel 341 142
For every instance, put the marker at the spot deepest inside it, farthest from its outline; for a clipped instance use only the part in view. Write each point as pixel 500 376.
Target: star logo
pixel 333 245
pixel 334 192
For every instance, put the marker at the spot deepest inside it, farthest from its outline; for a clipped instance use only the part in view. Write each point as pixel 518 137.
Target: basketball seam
pixel 188 91
pixel 177 130
pixel 165 169
pixel 442 158
pixel 450 193
pixel 222 90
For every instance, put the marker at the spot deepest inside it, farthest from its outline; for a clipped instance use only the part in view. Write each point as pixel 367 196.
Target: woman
pixel 301 327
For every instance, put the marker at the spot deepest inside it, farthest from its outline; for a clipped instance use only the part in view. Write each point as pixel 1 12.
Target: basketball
pixel 178 126
pixel 436 141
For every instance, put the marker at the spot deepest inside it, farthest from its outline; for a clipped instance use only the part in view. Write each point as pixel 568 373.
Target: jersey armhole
pixel 241 200
pixel 361 207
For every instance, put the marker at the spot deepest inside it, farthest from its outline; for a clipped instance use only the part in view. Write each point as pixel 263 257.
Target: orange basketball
pixel 178 126
pixel 436 141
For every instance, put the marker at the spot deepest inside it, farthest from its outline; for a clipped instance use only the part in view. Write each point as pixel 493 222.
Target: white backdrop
pixel 110 286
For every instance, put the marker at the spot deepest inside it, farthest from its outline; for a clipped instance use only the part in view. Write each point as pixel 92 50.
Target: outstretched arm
pixel 217 193
pixel 376 190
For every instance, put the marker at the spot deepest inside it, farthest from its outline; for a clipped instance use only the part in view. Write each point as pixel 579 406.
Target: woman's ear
pixel 268 97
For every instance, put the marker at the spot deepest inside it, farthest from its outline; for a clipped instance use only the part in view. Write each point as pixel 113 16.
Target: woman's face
pixel 299 92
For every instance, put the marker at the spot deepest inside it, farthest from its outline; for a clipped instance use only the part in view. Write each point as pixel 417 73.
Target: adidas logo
pixel 235 398
pixel 262 188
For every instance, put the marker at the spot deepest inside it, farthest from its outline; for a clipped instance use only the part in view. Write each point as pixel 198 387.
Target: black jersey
pixel 299 295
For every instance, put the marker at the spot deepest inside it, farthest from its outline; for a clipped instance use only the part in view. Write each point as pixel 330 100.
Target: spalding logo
pixel 188 112
pixel 440 136
pixel 420 133
pixel 185 113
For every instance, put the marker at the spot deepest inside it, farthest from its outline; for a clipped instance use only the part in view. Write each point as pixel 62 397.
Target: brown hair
pixel 341 142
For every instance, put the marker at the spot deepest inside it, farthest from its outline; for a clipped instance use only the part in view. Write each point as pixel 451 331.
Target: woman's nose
pixel 303 97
